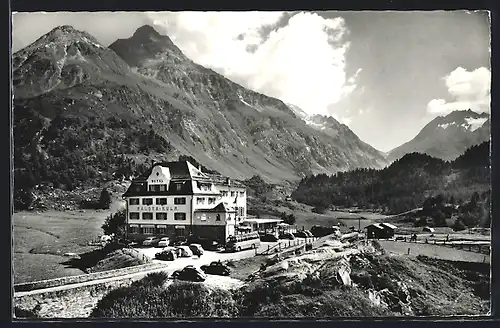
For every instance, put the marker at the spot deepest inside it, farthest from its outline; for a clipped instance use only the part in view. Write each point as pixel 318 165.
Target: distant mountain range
pixel 447 137
pixel 81 106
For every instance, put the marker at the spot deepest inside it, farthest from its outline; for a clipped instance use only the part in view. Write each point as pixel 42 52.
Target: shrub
pixel 147 298
pixel 116 224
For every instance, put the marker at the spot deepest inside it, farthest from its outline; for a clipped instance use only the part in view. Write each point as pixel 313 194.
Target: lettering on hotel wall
pixel 153 208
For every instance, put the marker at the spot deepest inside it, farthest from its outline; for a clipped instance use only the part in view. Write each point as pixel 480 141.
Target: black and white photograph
pixel 250 164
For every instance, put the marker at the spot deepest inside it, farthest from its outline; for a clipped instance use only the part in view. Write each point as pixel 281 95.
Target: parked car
pixel 126 242
pixel 301 234
pixel 151 241
pixel 164 242
pixel 196 249
pixel 179 241
pixel 269 238
pixel 189 273
pixel 167 254
pixel 184 251
pixel 286 235
pixel 320 231
pixel 217 268
pixel 206 243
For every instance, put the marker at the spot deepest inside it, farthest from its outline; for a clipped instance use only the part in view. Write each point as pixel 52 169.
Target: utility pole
pixel 359 224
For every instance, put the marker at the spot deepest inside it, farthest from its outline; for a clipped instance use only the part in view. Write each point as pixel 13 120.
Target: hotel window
pixel 224 193
pixel 242 193
pixel 233 193
pixel 134 216
pixel 163 188
pixel 180 200
pixel 178 186
pixel 217 217
pixel 161 216
pixel 161 201
pixel 200 200
pixel 133 201
pixel 179 216
pixel 241 211
pixel 148 230
pixel 147 201
pixel 211 200
pixel 133 229
pixel 147 216
pixel 161 231
pixel 229 217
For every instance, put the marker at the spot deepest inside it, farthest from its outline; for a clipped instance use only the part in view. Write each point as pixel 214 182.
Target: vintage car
pixel 216 268
pixel 189 273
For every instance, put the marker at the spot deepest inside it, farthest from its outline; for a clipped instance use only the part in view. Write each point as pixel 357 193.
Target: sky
pixel 384 74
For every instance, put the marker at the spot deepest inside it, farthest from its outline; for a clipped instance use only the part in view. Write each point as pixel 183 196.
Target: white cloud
pixel 469 90
pixel 301 63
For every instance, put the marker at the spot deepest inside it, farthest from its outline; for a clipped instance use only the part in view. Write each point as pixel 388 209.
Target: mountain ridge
pixel 447 137
pixel 73 94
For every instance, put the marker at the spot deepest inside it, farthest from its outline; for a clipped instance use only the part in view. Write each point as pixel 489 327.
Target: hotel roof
pixel 183 170
pixel 180 172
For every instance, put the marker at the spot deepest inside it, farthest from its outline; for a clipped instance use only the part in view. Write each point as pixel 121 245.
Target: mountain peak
pixel 446 137
pixel 146 31
pixel 461 115
pixel 145 46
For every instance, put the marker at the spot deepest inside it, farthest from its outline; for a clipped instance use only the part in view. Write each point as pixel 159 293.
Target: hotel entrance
pixel 180 231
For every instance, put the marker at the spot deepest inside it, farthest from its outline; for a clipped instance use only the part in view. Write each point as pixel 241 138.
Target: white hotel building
pixel 177 199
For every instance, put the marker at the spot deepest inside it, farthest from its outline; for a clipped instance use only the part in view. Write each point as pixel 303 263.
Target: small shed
pixel 380 230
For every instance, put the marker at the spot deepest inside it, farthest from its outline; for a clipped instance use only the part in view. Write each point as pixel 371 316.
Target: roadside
pixel 433 251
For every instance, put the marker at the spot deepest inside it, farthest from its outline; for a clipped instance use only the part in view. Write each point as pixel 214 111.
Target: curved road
pixel 170 266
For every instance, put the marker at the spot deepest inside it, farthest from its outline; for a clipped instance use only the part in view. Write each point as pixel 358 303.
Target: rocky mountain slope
pixel 83 111
pixel 447 137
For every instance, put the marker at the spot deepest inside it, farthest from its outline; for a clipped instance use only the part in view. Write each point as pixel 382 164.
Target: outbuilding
pixel 380 230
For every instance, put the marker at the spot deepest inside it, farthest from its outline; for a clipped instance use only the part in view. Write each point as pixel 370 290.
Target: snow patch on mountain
pixel 475 123
pixel 444 126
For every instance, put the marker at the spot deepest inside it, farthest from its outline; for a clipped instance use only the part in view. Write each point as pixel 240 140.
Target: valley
pixel 132 142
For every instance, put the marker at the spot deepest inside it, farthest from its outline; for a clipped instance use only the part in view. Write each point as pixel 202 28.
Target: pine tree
pixel 105 199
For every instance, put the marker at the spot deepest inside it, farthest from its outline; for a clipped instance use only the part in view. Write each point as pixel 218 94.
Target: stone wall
pixel 69 303
pixel 83 278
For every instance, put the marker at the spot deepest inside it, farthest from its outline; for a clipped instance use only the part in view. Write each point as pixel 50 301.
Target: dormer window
pixel 178 187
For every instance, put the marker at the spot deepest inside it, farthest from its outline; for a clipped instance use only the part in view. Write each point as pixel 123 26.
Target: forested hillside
pixel 402 186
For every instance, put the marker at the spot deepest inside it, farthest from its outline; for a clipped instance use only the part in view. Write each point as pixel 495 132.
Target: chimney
pixel 199 168
pixel 228 181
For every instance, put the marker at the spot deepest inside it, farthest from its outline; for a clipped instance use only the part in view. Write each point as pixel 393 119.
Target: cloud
pixel 468 90
pixel 298 58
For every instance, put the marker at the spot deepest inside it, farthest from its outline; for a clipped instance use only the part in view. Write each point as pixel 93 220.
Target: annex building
pixel 177 199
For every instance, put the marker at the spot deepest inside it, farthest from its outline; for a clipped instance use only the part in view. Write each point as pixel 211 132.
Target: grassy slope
pixel 41 239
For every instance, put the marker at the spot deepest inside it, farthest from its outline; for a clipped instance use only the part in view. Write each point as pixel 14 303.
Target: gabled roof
pixel 390 226
pixel 376 225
